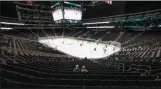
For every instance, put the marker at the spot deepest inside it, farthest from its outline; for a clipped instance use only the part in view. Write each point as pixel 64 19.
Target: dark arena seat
pixel 25 62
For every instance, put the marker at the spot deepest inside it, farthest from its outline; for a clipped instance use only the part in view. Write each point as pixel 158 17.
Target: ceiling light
pixel 5 28
pixel 102 27
pixel 12 23
pixel 96 23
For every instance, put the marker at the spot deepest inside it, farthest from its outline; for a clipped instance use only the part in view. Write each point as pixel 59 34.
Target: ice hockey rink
pixel 80 48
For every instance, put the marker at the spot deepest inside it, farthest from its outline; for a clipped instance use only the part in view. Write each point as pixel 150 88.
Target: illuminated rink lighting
pixel 95 23
pixel 5 28
pixel 12 23
pixel 72 47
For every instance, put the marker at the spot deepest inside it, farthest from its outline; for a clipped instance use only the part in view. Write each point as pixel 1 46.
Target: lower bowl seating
pixel 33 66
pixel 30 76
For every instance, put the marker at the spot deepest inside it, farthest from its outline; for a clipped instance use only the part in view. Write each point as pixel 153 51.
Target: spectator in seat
pixel 76 69
pixel 84 69
pixel 143 74
pixel 85 58
pixel 157 78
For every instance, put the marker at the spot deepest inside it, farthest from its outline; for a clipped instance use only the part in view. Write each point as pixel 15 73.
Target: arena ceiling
pixel 8 9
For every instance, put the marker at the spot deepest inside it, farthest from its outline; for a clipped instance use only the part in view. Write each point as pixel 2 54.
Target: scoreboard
pixel 61 12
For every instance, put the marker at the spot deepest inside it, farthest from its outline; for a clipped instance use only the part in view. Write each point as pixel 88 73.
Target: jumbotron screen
pixel 57 14
pixel 72 14
pixel 69 14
